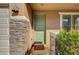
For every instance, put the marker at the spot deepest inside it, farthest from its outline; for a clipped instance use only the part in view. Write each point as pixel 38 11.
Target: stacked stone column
pixel 19 34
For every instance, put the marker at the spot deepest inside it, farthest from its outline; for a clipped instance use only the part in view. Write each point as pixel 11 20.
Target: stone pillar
pixel 19 35
pixel 52 43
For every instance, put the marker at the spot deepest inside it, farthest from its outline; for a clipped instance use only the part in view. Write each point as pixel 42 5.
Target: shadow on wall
pixel 28 52
pixel 14 13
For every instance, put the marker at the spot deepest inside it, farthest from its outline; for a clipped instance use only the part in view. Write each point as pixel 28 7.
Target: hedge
pixel 67 43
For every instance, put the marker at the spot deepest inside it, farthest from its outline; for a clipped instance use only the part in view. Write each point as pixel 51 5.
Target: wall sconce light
pixel 15 9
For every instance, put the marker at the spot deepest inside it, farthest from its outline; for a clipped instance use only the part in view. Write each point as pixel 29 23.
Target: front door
pixel 40 27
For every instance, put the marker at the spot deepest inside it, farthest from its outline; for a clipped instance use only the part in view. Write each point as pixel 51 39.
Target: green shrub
pixel 68 42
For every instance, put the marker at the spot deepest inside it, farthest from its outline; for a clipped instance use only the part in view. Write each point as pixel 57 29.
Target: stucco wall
pixel 52 20
pixel 29 11
pixel 24 10
pixel 20 6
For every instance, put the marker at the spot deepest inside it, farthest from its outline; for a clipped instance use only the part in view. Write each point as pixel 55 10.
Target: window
pixel 66 22
pixel 69 21
pixel 76 21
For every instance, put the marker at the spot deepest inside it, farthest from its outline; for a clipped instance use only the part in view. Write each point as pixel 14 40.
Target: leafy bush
pixel 68 42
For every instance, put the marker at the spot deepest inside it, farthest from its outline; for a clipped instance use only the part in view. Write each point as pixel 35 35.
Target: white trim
pixel 66 13
pixel 61 22
pixel 71 22
pixel 69 13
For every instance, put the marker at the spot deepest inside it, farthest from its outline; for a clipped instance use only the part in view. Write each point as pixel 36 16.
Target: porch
pixel 55 16
pixel 33 27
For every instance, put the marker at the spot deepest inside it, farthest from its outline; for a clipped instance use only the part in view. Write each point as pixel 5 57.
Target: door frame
pixel 45 24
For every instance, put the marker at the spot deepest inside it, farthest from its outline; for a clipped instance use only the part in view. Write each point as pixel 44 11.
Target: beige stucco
pixel 52 19
pixel 24 9
pixel 20 6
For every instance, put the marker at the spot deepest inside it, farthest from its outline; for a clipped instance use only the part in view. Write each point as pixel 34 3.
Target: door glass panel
pixel 40 25
pixel 39 36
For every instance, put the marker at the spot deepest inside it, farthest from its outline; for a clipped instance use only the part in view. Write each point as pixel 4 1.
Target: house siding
pixel 4 30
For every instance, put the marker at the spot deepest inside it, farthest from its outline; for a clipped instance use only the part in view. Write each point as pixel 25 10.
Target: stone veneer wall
pixel 52 43
pixel 19 35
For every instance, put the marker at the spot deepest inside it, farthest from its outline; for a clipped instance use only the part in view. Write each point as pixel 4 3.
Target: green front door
pixel 40 27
